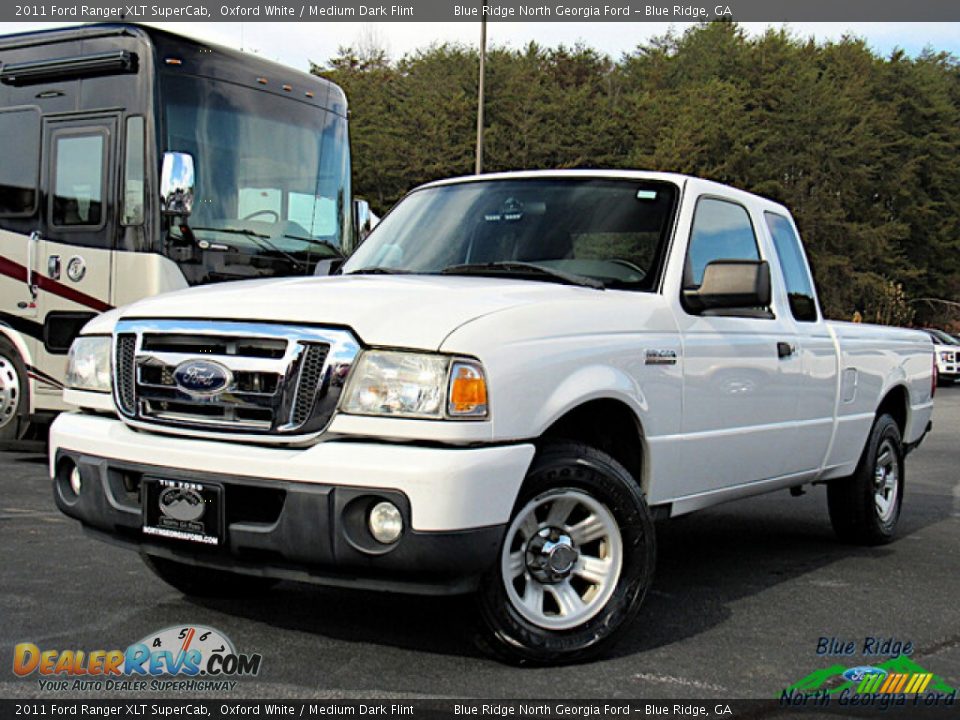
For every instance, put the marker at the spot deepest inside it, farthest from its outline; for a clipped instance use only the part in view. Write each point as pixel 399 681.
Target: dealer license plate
pixel 182 510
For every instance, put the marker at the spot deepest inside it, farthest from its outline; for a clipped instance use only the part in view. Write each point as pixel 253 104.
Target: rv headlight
pixel 88 366
pixel 415 385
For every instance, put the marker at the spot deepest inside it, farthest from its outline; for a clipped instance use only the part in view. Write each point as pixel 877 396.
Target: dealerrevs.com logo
pixel 181 657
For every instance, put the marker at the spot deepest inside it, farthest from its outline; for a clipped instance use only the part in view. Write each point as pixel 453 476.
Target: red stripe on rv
pixel 19 272
pixel 43 380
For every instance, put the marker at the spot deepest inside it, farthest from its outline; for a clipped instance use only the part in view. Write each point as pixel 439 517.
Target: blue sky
pixel 296 44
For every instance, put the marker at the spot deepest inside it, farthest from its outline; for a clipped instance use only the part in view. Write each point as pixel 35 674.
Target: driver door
pixel 75 252
pixel 739 394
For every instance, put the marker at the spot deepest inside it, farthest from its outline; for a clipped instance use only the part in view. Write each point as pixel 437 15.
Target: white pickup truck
pixel 498 392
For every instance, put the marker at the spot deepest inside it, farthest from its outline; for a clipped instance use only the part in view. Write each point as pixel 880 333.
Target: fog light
pixel 75 480
pixel 385 522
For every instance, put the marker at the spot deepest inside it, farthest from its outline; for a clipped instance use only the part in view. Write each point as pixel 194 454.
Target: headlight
pixel 415 385
pixel 88 366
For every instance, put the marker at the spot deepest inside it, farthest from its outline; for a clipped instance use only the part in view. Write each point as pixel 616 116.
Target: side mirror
pixel 731 285
pixel 177 183
pixel 362 221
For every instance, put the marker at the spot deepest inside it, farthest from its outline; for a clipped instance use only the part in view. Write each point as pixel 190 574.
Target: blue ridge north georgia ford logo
pixel 201 377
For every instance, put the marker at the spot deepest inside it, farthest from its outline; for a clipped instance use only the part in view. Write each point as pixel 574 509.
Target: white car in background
pixel 947 349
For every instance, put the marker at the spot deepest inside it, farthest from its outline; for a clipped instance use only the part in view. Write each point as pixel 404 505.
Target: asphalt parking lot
pixel 742 595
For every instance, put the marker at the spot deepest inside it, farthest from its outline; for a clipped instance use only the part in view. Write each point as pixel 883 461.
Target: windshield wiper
pixel 262 241
pixel 514 267
pixel 317 241
pixel 377 270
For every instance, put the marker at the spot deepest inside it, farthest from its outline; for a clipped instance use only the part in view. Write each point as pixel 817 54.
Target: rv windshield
pixel 272 181
pixel 574 230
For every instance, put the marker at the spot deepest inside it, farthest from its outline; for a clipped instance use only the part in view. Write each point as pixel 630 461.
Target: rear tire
pixel 14 393
pixel 542 606
pixel 196 581
pixel 865 507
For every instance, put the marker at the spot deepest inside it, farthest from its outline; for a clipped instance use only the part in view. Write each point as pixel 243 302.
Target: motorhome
pixel 135 162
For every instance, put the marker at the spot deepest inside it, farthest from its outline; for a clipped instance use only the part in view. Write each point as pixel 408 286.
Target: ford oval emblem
pixel 856 674
pixel 202 377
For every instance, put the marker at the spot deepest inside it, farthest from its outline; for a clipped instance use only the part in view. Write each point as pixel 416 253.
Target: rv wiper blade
pixel 263 241
pixel 317 241
pixel 231 231
pixel 521 269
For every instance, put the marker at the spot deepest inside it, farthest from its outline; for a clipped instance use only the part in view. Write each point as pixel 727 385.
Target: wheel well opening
pixel 895 405
pixel 607 425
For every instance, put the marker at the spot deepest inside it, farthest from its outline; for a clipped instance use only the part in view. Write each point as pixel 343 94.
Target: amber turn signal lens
pixel 468 391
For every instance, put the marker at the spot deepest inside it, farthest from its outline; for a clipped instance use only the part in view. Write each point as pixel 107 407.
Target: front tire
pixel 865 508
pixel 196 581
pixel 576 561
pixel 14 400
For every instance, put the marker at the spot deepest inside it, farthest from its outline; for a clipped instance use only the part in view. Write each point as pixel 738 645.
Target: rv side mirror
pixel 362 221
pixel 731 285
pixel 177 184
pixel 328 266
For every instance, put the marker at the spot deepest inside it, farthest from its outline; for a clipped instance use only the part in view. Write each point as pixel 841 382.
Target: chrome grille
pixel 311 371
pixel 126 347
pixel 277 381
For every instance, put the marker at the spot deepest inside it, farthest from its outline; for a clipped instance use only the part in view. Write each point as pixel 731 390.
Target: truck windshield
pixel 272 181
pixel 607 232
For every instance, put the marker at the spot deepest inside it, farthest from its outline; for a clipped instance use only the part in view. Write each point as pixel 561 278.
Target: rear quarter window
pixel 803 304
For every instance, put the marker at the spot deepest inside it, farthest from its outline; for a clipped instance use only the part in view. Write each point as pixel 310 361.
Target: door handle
pixel 785 350
pixel 54 266
pixel 32 243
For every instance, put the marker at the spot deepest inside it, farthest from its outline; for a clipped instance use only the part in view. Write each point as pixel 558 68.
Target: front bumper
pixel 292 513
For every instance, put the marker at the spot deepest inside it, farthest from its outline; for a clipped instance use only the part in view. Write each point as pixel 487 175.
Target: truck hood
pixel 416 311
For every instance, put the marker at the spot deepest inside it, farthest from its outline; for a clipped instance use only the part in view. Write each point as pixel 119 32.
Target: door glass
pixel 721 231
pixel 19 168
pixel 78 180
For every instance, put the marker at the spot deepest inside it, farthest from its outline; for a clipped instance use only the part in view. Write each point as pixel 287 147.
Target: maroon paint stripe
pixel 40 375
pixel 58 386
pixel 19 272
pixel 12 269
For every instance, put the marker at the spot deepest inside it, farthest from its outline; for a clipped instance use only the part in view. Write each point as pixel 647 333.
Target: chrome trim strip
pixel 238 363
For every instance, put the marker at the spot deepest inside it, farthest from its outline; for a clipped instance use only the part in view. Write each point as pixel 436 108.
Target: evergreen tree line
pixel 865 150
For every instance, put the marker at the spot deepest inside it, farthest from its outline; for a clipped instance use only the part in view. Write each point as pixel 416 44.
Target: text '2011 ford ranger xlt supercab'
pixel 497 393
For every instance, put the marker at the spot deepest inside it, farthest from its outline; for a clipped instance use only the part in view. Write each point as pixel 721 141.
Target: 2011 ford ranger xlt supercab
pixel 497 393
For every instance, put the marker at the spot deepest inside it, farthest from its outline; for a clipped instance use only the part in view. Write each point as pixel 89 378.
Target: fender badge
pixel 661 357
